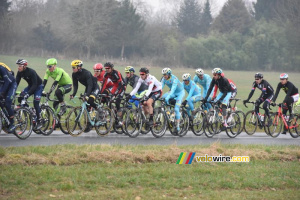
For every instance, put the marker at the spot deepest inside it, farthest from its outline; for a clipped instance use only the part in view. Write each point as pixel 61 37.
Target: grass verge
pixel 147 172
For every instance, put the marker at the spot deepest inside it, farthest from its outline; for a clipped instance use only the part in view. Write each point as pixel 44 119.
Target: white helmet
pixel 166 71
pixel 217 71
pixel 186 77
pixel 199 71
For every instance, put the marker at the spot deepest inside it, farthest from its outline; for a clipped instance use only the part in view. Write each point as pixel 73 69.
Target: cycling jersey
pixel 117 80
pixel 6 78
pixel 133 80
pixel 86 78
pixel 31 77
pixel 153 85
pixel 192 89
pixel 233 89
pixel 58 75
pixel 265 87
pixel 204 82
pixel 289 88
pixel 223 84
pixel 173 83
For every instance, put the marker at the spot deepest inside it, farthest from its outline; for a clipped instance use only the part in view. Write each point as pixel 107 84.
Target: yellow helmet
pixel 129 69
pixel 76 63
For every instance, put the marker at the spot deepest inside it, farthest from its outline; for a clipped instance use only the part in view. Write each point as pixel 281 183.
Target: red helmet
pixel 98 66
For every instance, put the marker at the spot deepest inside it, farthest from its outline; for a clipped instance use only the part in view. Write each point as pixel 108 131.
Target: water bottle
pixel 262 118
pixel 287 118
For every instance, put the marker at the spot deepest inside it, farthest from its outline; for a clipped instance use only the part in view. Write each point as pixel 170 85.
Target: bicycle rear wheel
pixel 295 132
pixel 212 124
pixel 104 121
pixel 23 123
pixel 234 124
pixel 48 120
pixel 275 128
pixel 159 123
pixel 133 123
pixel 198 122
pixel 77 121
pixel 250 122
pixel 184 123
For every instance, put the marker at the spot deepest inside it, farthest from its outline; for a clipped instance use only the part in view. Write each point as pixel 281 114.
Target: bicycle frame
pixel 280 114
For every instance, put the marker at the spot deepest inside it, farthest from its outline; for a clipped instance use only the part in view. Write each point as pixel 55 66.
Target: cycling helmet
pixel 283 76
pixel 217 71
pixel 76 63
pixel 129 69
pixel 186 77
pixel 145 70
pixel 98 66
pixel 21 62
pixel 109 64
pixel 51 61
pixel 258 75
pixel 199 71
pixel 167 71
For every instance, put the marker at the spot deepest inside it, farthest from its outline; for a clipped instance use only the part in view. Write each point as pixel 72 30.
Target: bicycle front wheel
pixel 212 124
pixel 159 123
pixel 76 121
pixel 133 123
pixel 23 123
pixel 250 123
pixel 198 122
pixel 274 129
pixel 104 121
pixel 47 118
pixel 295 132
pixel 235 125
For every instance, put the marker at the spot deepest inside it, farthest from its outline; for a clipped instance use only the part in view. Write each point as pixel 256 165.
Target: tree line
pixel 265 35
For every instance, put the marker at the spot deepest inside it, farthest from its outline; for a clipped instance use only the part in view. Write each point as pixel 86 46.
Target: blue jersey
pixel 173 83
pixel 205 82
pixel 6 77
pixel 192 89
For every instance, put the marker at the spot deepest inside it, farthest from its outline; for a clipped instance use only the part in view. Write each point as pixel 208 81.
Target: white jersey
pixel 153 85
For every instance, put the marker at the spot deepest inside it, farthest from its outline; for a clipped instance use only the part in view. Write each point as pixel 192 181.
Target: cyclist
pixel 86 78
pixel 292 94
pixel 153 93
pixel 225 91
pixel 266 95
pixel 35 87
pixel 62 80
pixel 204 80
pixel 132 79
pixel 233 89
pixel 194 93
pixel 7 92
pixel 176 91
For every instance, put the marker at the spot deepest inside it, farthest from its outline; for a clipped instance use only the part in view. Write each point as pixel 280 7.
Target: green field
pixel 243 79
pixel 147 172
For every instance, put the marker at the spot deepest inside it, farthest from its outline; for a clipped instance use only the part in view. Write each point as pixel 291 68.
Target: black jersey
pixel 289 88
pixel 265 87
pixel 223 84
pixel 31 77
pixel 86 78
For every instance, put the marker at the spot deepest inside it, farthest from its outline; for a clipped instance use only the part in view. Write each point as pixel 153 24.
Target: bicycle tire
pixel 23 123
pixel 242 119
pixel 197 125
pixel 250 122
pixel 159 123
pixel 295 132
pixel 212 124
pixel 184 123
pixel 103 123
pixel 275 128
pixel 62 122
pixel 77 121
pixel 47 117
pixel 133 123
pixel 234 125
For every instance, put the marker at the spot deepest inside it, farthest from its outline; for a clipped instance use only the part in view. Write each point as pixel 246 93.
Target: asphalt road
pixel 58 137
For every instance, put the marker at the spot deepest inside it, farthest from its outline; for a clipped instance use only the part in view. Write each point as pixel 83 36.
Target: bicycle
pixel 280 121
pixel 60 118
pixel 197 124
pixel 78 118
pixel 169 112
pixel 214 122
pixel 23 122
pixel 239 112
pixel 253 120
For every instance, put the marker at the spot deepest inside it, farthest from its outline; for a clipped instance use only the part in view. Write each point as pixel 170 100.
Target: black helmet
pixel 21 62
pixel 109 64
pixel 258 75
pixel 145 70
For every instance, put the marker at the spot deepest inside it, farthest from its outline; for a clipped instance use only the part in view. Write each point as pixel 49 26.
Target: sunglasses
pixel 49 66
pixel 107 68
pixel 215 74
pixel 257 79
pixel 142 74
pixel 74 67
pixel 97 70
